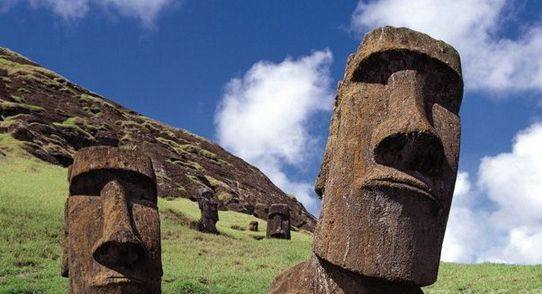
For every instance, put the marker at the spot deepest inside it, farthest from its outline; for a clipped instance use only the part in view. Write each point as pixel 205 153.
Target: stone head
pixel 205 193
pixel 390 165
pixel 209 212
pixel 208 205
pixel 112 240
pixel 253 226
pixel 278 221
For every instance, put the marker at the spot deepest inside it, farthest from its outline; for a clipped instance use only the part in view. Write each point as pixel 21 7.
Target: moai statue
pixel 112 234
pixel 253 226
pixel 389 169
pixel 209 213
pixel 278 222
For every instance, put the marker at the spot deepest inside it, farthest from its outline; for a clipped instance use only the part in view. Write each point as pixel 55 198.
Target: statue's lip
pixel 407 183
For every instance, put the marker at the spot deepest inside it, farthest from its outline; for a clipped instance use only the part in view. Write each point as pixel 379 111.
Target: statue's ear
pixel 64 266
pixel 320 184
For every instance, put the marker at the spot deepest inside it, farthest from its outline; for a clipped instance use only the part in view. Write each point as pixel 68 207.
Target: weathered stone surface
pixel 112 233
pixel 253 226
pixel 390 164
pixel 55 118
pixel 317 276
pixel 209 213
pixel 278 221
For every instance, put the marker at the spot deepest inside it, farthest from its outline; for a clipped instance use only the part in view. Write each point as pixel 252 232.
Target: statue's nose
pixel 406 140
pixel 420 152
pixel 119 245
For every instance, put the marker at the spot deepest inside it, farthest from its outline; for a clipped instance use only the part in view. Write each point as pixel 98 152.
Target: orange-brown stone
pixel 389 168
pixel 112 233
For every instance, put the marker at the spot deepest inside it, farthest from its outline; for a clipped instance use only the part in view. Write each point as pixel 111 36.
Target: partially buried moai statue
pixel 253 226
pixel 278 221
pixel 209 212
pixel 112 241
pixel 389 169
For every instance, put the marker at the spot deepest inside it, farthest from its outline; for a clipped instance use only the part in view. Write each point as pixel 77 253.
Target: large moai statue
pixel 389 169
pixel 112 238
pixel 209 212
pixel 278 221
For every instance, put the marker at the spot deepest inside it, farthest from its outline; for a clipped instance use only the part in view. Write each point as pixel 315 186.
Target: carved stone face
pixel 209 210
pixel 209 213
pixel 112 224
pixel 391 160
pixel 278 222
pixel 253 226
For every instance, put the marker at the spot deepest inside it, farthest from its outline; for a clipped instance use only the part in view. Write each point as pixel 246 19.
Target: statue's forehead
pixel 94 167
pixel 281 209
pixel 92 182
pixel 388 39
pixel 96 159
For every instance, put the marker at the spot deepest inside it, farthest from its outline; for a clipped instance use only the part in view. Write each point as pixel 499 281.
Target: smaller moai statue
pixel 209 212
pixel 253 226
pixel 278 222
pixel 112 232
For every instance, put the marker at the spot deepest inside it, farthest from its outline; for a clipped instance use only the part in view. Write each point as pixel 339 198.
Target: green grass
pixel 487 278
pixel 194 149
pixel 32 195
pixel 75 123
pixel 233 262
pixel 31 216
pixel 5 105
pixel 18 99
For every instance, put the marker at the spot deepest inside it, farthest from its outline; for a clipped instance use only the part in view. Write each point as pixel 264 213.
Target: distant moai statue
pixel 278 221
pixel 389 169
pixel 253 226
pixel 209 212
pixel 112 232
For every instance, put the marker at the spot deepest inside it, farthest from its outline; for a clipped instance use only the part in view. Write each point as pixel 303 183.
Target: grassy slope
pixel 32 197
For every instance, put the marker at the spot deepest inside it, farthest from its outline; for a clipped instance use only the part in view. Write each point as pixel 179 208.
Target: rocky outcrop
pixel 55 118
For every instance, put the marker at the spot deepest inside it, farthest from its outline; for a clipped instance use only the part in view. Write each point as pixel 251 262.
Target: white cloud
pixel 511 231
pixel 145 11
pixel 489 62
pixel 264 117
pixel 464 236
pixel 522 246
pixel 466 230
pixel 67 9
pixel 513 181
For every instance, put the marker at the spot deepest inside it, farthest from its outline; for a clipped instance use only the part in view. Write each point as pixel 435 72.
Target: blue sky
pixel 259 78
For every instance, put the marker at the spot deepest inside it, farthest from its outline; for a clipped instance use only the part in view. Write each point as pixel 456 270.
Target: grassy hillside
pixel 32 196
pixel 56 117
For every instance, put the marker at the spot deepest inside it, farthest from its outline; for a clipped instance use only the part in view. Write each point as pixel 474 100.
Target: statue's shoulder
pixel 294 280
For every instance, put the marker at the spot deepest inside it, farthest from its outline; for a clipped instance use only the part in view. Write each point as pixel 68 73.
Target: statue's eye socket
pixel 146 201
pixel 142 195
pixel 444 89
pixel 378 67
pixel 91 183
pixel 442 85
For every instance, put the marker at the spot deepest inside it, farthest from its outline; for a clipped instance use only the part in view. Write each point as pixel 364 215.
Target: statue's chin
pixel 390 233
pixel 120 285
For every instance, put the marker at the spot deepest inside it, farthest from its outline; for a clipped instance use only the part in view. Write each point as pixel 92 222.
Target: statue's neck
pixel 349 282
